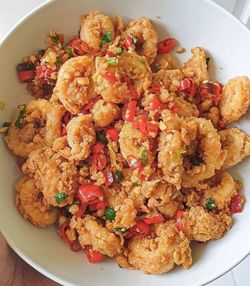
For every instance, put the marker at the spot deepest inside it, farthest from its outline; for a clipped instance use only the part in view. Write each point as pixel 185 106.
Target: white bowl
pixel 193 23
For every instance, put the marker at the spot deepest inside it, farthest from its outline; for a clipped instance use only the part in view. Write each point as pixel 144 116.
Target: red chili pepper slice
pixel 76 246
pixel 92 102
pixel 139 229
pixel 187 86
pixel 213 90
pixel 154 88
pixel 173 107
pixel 98 148
pixel 89 193
pixel 155 219
pixel 178 216
pixel 134 163
pixel 110 54
pixel 113 134
pixel 128 42
pixel 93 255
pixel 130 111
pixel 166 46
pixel 236 205
pixel 77 48
pixel 110 78
pixel 99 161
pixel 222 124
pixel 154 104
pixel 98 206
pixel 62 232
pixel 26 76
pixel 152 129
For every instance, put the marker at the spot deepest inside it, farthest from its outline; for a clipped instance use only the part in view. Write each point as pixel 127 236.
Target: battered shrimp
pixel 159 252
pixel 92 233
pixel 55 176
pixel 97 30
pixel 146 37
pixel 41 126
pixel 222 192
pixel 175 136
pixel 202 226
pixel 32 205
pixel 111 81
pixel 74 86
pixel 236 143
pixel 80 136
pixel 125 214
pixel 185 108
pixel 235 99
pixel 132 142
pixel 104 113
pixel 170 79
pixel 165 62
pixel 208 156
pixel 196 67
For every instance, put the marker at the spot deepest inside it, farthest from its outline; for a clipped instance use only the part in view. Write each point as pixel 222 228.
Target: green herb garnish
pixel 110 214
pixel 136 184
pixel 210 204
pixel 143 62
pixel 101 137
pixel 54 37
pixel 144 158
pixel 69 52
pixel 20 118
pixel 135 40
pixel 113 61
pixel 59 62
pixel 120 51
pixel 118 176
pixel 60 197
pixel 106 38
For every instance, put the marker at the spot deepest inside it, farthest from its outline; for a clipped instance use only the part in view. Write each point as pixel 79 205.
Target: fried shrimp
pixel 170 79
pixel 41 126
pixel 97 30
pixel 92 233
pixel 55 176
pixel 159 253
pixel 236 143
pixel 112 82
pixel 185 108
pixel 74 86
pixel 80 136
pixel 132 142
pixel 222 192
pixel 32 205
pixel 145 38
pixel 104 113
pixel 235 99
pixel 201 225
pixel 196 67
pixel 209 155
pixel 165 62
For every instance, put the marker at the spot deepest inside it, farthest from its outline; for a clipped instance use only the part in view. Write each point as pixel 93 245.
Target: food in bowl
pixel 126 149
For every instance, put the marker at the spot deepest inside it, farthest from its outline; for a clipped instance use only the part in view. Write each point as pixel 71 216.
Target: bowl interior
pixel 209 26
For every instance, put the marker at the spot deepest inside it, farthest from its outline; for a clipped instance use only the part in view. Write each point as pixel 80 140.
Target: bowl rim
pixel 8 238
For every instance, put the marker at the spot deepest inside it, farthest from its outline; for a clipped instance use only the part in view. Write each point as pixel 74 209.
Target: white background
pixel 13 10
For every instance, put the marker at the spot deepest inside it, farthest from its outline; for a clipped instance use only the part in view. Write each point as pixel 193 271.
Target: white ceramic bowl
pixel 193 23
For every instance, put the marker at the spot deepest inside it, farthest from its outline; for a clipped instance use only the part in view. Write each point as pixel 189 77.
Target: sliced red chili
pixel 173 107
pixel 134 163
pixel 154 104
pixel 64 131
pixel 236 204
pixel 154 88
pixel 222 124
pixel 98 206
pixel 77 49
pixel 178 216
pixel 155 219
pixel 98 148
pixel 91 103
pixel 99 161
pixel 110 54
pixel 76 246
pixel 110 78
pixel 166 46
pixel 128 42
pixel 26 76
pixel 113 134
pixel 130 110
pixel 89 193
pixel 139 229
pixel 81 210
pixel 212 90
pixel 187 86
pixel 152 129
pixel 93 255
pixel 62 232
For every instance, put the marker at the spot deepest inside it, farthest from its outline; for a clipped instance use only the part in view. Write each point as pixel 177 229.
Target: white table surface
pixel 13 10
